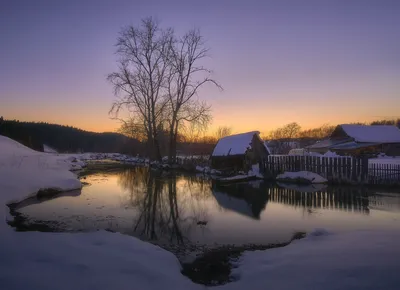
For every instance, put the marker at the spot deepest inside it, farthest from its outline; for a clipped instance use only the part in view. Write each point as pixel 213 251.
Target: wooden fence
pixel 335 169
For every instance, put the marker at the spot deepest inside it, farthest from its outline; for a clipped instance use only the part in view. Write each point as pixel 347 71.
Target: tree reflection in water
pixel 167 206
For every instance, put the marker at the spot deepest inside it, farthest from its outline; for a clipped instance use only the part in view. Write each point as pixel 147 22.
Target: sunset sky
pixel 313 62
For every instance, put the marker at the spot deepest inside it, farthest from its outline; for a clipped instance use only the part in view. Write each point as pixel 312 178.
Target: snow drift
pixel 301 176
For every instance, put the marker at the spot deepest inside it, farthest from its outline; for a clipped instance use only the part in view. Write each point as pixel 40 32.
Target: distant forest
pixel 68 139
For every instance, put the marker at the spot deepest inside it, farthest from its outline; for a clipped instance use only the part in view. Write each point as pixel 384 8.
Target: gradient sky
pixel 280 61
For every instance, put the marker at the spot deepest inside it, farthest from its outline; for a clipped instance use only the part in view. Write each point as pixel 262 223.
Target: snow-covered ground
pixel 385 160
pixel 304 175
pixel 104 260
pixel 101 260
pixel 48 149
pixel 357 260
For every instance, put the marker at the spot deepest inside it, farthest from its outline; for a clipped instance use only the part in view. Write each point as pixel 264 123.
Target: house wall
pixel 338 134
pixel 392 149
pixel 318 150
pixel 232 162
pixel 371 150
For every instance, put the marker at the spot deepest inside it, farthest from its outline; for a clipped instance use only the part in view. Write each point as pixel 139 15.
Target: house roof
pixel 234 144
pixel 376 133
pixel 352 145
pixel 267 147
pixel 327 143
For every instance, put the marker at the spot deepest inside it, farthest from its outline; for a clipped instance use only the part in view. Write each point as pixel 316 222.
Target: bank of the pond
pixel 36 260
pixel 214 266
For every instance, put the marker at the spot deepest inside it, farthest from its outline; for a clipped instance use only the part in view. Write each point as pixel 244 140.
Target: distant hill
pixel 67 139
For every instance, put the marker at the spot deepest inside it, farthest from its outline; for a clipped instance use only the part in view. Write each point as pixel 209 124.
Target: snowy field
pixel 104 260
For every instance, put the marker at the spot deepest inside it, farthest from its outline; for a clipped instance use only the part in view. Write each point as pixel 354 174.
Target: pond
pixel 187 211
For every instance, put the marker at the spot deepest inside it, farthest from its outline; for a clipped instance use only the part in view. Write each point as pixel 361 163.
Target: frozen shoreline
pixel 104 260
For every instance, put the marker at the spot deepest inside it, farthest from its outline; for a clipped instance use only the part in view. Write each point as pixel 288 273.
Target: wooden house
pixel 357 140
pixel 239 152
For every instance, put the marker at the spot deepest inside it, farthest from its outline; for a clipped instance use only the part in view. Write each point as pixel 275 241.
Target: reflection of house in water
pixel 248 199
pixel 233 203
pixel 344 199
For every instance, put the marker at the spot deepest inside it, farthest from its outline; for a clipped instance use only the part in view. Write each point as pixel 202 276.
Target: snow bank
pixel 48 149
pixel 313 187
pixel 255 171
pixel 385 160
pixel 235 177
pixel 101 260
pixel 302 175
pixel 23 172
pixel 323 260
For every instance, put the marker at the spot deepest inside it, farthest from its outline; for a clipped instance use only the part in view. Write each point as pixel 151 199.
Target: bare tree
pixel 291 130
pixel 139 83
pixel 288 131
pixel 186 77
pixel 223 131
pixel 317 133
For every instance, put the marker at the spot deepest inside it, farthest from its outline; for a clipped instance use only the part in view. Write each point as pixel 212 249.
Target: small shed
pixel 349 139
pixel 239 152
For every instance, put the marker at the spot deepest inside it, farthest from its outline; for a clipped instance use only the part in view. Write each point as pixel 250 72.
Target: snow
pixel 267 147
pixel 255 171
pixel 100 260
pixel 303 187
pixel 104 260
pixel 48 149
pixel 235 177
pixel 310 176
pixel 385 160
pixel 323 260
pixel 234 144
pixel 331 154
pixel 377 133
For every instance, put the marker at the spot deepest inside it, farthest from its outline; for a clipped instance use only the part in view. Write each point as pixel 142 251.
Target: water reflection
pixel 167 206
pixel 181 209
pixel 342 199
pixel 248 199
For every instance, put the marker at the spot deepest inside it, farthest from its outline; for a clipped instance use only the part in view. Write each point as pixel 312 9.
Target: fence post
pixel 319 170
pixel 324 167
pixel 340 168
pixel 364 167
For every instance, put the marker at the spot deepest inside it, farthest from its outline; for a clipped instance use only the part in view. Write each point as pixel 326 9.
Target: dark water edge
pixel 210 267
pixel 214 267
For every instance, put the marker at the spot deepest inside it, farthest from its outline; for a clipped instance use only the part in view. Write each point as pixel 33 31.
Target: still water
pixel 179 209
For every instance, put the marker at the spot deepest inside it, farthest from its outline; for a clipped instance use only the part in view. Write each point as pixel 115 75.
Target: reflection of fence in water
pixel 334 199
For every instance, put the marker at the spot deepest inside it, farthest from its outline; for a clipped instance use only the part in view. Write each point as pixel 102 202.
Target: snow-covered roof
pixel 234 144
pixel 327 143
pixel 376 133
pixel 267 147
pixel 352 145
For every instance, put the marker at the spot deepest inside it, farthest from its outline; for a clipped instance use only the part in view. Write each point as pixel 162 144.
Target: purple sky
pixel 313 62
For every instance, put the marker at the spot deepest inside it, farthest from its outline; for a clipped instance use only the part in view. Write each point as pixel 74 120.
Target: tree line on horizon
pixel 70 139
pixel 67 139
pixel 294 130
